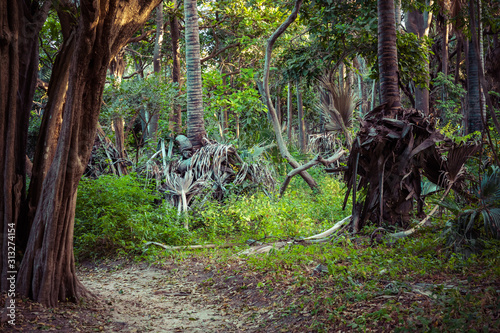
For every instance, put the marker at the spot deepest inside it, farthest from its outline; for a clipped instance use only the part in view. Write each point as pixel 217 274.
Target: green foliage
pixel 472 224
pixel 117 215
pixel 450 107
pixel 260 217
pixel 135 96
pixel 243 103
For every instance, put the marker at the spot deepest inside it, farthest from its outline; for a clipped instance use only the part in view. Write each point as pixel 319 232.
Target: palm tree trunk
pixel 475 100
pixel 388 54
pixel 175 120
pixel 195 122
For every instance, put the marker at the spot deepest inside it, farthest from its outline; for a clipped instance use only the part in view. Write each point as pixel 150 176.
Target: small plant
pixel 472 224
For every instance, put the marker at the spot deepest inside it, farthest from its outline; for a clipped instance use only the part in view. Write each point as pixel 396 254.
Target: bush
pixel 118 215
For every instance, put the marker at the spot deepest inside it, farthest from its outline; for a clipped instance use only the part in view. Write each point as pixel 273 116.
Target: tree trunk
pixel 289 113
pixel 276 125
pixel 21 22
pixel 118 124
pixel 278 103
pixel 47 272
pixel 49 130
pixel 155 117
pixel 475 100
pixel 175 121
pixel 418 23
pixel 302 132
pixel 388 54
pixel 195 122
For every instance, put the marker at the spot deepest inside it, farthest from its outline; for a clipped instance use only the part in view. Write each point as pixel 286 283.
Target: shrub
pixel 117 215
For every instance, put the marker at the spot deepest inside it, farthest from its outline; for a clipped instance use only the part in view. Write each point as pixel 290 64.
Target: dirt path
pixel 147 299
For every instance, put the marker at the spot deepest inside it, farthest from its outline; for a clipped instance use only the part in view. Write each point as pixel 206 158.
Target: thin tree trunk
pixel 388 54
pixel 175 121
pixel 278 103
pixel 155 116
pixel 418 23
pixel 289 113
pixel 276 125
pixel 302 132
pixel 195 122
pixel 120 144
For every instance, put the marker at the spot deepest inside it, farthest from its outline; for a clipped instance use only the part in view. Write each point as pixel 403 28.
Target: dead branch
pixel 318 159
pixel 403 234
pixel 191 247
pixel 319 238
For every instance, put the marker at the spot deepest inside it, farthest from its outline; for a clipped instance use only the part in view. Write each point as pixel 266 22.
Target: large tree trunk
pixel 195 122
pixel 49 131
pixel 21 22
pixel 175 121
pixel 388 54
pixel 47 272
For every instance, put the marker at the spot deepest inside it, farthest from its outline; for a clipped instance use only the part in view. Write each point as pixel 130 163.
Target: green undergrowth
pixel 117 215
pixel 352 283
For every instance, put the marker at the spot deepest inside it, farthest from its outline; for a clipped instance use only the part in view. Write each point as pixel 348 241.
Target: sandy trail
pixel 148 299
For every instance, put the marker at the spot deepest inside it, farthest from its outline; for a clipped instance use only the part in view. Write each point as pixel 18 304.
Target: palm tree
pixel 388 54
pixel 195 123
pixel 475 99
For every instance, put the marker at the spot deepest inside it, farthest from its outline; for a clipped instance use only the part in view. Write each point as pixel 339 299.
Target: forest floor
pixel 195 292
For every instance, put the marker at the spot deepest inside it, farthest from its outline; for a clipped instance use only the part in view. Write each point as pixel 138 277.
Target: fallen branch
pixel 317 160
pixel 191 247
pixel 403 234
pixel 264 248
pixel 319 238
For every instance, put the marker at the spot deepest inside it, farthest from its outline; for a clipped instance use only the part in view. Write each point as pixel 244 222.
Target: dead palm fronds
pixel 337 105
pixel 183 189
pixel 323 143
pixel 210 170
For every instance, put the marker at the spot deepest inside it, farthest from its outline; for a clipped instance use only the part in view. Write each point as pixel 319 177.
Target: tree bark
pixel 195 122
pixel 21 22
pixel 155 117
pixel 289 113
pixel 47 272
pixel 418 24
pixel 388 54
pixel 49 131
pixel 302 131
pixel 175 121
pixel 475 99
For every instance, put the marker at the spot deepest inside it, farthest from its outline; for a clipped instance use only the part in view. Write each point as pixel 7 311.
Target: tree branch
pixel 216 53
pixel 317 160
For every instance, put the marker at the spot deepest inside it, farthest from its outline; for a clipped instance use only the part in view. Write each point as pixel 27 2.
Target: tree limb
pixel 317 160
pixel 216 53
pixel 274 118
